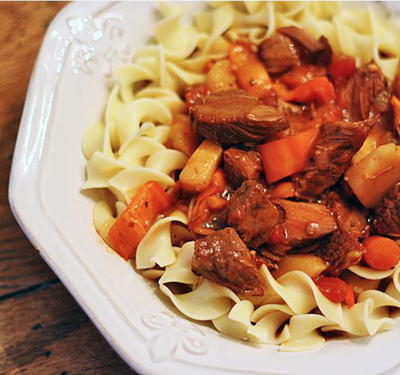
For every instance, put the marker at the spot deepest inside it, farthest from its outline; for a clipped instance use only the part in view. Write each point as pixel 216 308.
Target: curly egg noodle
pixel 128 148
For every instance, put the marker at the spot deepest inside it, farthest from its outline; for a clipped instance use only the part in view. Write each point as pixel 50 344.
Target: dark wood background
pixel 43 331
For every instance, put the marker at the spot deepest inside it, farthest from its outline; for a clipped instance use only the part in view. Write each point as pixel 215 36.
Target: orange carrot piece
pixel 250 72
pixel 302 74
pixel 287 156
pixel 382 253
pixel 319 89
pixel 132 225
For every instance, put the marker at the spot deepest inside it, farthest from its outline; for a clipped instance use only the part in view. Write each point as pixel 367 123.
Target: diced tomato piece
pixel 333 288
pixel 341 67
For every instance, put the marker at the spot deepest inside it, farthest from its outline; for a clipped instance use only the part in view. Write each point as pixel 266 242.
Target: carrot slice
pixel 250 72
pixel 287 156
pixel 382 253
pixel 132 225
pixel 319 89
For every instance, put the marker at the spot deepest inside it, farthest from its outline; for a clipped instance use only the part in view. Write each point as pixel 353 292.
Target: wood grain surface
pixel 42 329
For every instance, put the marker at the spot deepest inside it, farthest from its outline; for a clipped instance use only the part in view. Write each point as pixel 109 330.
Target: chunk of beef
pixel 251 212
pixel 341 250
pixel 241 165
pixel 232 117
pixel 337 144
pixel 314 51
pixel 349 218
pixel 260 220
pixel 387 213
pixel 303 222
pixel 279 54
pixel 223 258
pixel 366 94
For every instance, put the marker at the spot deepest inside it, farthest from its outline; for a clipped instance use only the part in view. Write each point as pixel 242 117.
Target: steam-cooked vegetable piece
pixel 382 253
pixel 201 166
pixel 220 77
pixel 380 134
pixel 250 72
pixel 301 74
pixel 287 156
pixel 319 89
pixel 310 264
pixel 183 138
pixel 209 202
pixel 374 175
pixel 132 225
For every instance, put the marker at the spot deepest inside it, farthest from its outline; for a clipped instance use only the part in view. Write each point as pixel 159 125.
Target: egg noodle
pixel 128 148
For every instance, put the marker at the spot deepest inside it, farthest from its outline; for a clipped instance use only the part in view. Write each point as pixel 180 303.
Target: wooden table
pixel 42 329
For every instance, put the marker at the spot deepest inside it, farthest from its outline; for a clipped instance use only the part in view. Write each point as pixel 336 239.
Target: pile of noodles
pixel 127 149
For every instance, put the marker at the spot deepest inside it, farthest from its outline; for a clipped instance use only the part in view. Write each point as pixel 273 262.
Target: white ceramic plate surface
pixel 67 93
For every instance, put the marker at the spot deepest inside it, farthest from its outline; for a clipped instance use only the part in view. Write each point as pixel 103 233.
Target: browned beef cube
pixel 241 165
pixel 304 221
pixel 222 257
pixel 260 220
pixel 313 50
pixel 365 94
pixel 341 250
pixel 337 144
pixel 387 213
pixel 251 212
pixel 349 218
pixel 231 117
pixel 279 54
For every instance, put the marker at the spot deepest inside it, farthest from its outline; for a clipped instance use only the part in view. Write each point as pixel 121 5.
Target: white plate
pixel 67 93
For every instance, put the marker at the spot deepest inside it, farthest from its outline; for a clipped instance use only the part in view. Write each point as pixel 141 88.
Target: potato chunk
pixel 201 166
pixel 183 138
pixel 310 264
pixel 374 175
pixel 221 77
